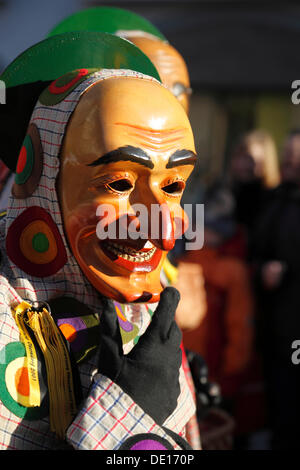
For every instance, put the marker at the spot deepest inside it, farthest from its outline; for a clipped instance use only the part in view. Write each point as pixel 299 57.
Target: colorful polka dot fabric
pixel 129 331
pixel 146 442
pixel 25 161
pixel 29 166
pixel 81 332
pixel 60 88
pixel 34 244
pixel 14 383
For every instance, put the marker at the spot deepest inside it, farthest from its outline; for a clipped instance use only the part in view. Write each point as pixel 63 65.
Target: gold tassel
pixel 62 404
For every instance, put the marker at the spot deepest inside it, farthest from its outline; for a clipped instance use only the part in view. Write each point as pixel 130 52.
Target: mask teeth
pixel 129 253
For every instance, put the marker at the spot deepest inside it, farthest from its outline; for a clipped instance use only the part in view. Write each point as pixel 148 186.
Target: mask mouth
pixel 135 259
pixel 129 253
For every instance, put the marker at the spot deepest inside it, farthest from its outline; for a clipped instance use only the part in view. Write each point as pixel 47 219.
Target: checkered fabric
pixel 192 427
pixel 108 416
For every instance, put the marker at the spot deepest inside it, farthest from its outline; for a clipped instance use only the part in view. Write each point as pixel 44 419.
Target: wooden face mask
pixel 170 65
pixel 127 153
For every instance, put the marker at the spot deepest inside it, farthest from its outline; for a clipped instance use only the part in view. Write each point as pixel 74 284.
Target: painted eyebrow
pixel 128 153
pixel 182 157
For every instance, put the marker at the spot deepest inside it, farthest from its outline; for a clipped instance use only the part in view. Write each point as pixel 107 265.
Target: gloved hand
pixel 149 374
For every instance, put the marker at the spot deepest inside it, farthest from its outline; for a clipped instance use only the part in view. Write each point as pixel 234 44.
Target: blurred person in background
pixel 290 167
pixel 224 336
pixel 254 169
pixel 276 253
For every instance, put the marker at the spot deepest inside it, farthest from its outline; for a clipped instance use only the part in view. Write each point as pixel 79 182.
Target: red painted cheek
pixel 108 219
pixel 82 218
pixel 96 218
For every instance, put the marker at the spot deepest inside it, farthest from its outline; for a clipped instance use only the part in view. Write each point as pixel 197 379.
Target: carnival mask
pixel 128 149
pixel 169 63
pixel 143 34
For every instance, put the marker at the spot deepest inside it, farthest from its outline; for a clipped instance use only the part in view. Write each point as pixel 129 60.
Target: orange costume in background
pixel 224 337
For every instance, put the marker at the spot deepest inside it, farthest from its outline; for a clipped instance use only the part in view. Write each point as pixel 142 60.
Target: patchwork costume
pixel 37 266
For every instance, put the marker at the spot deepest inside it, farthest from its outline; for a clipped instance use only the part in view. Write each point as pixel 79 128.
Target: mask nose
pixel 162 227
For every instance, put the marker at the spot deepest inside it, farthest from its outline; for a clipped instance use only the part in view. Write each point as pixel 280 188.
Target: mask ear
pixel 30 164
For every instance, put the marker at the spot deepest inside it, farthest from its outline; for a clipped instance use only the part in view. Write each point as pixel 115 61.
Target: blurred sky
pixel 25 22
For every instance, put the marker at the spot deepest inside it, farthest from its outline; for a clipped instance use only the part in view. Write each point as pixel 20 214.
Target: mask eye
pixel 121 186
pixel 174 189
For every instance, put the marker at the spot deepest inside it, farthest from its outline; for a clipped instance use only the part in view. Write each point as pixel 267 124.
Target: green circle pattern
pixel 10 352
pixel 49 99
pixel 40 242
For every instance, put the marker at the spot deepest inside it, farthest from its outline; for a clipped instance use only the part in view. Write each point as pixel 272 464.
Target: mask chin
pixel 127 290
pixel 118 283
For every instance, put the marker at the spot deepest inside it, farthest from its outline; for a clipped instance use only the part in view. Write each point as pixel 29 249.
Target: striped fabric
pixel 108 416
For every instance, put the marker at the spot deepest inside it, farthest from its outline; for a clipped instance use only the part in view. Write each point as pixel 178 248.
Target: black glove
pixel 149 374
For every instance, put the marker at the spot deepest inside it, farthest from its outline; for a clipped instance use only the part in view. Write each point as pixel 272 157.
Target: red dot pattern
pixel 56 90
pixel 22 160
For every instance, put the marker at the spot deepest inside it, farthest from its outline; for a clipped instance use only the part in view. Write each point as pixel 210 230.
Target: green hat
pixel 32 71
pixel 106 19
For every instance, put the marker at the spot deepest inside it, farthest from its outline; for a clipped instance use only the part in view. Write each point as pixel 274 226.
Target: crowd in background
pixel 248 273
pixel 240 306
